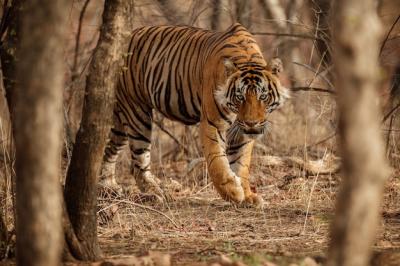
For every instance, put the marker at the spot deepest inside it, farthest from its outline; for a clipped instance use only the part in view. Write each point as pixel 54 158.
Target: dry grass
pixel 199 226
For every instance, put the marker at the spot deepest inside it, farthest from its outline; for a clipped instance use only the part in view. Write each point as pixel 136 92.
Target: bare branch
pixel 317 73
pixel 290 35
pixel 170 11
pixel 312 89
pixel 388 34
pixel 390 113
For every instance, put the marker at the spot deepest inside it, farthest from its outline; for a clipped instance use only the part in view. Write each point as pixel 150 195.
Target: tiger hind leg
pixel 116 142
pixel 239 155
pixel 139 135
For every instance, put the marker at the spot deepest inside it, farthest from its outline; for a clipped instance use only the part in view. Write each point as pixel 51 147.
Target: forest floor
pixel 198 226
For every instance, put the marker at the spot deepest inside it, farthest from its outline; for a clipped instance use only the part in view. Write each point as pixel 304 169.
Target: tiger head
pixel 251 91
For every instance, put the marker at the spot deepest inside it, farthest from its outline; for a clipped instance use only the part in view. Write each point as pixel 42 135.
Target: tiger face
pixel 251 92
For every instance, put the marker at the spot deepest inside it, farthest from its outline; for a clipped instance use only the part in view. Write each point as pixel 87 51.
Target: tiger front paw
pixel 255 200
pixel 231 192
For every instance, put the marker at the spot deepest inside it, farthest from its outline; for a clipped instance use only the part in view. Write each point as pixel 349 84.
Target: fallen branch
pixel 327 165
pixel 323 140
pixel 312 89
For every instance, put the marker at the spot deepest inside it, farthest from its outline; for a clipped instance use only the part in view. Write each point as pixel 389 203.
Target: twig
pixel 194 7
pixel 312 89
pixel 387 35
pixel 316 72
pixel 323 140
pixel 389 133
pixel 309 198
pixel 4 19
pixel 390 113
pixel 150 209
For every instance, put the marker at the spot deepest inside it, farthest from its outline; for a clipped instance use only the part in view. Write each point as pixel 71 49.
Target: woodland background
pixel 295 166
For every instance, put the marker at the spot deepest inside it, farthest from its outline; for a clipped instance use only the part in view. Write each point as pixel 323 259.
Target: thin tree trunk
pixel 274 10
pixel 288 49
pixel 243 12
pixel 321 21
pixel 356 43
pixel 38 123
pixel 82 175
pixel 171 12
pixel 216 14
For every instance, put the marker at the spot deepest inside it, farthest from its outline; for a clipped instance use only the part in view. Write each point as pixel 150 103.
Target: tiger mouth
pixel 253 131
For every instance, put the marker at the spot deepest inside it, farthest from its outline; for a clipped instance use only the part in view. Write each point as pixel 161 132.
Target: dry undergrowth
pixel 295 169
pixel 198 227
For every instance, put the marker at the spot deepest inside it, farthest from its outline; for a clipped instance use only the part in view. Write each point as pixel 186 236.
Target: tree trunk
pixel 38 123
pixel 171 12
pixel 3 235
pixel 356 43
pixel 216 14
pixel 284 21
pixel 274 10
pixel 321 21
pixel 10 28
pixel 243 12
pixel 82 175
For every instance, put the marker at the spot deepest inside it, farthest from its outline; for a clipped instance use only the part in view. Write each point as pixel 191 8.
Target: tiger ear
pixel 275 66
pixel 230 67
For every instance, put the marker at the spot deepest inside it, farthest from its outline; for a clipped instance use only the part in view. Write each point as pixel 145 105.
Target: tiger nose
pixel 252 123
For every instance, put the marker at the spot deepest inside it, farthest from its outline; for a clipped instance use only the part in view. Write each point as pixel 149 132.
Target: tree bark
pixel 3 236
pixel 38 123
pixel 171 12
pixel 274 10
pixel 356 43
pixel 243 12
pixel 216 14
pixel 10 28
pixel 82 175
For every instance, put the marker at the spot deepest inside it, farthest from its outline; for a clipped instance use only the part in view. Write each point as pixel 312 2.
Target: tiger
pixel 217 79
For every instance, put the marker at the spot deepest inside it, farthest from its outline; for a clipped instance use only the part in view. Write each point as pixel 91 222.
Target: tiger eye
pixel 263 97
pixel 240 97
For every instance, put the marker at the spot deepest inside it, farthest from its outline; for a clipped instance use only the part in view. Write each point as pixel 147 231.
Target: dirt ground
pixel 198 226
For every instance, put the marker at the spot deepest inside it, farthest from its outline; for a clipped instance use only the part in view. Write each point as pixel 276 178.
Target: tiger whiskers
pixel 234 132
